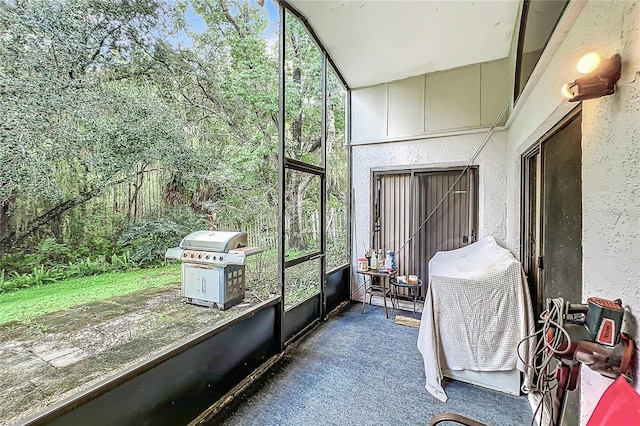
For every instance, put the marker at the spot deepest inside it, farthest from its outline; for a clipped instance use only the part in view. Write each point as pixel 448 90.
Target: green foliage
pixel 130 125
pixel 74 123
pixel 39 300
pixel 54 55
pixel 90 234
pixel 86 267
pixel 39 275
pixel 101 111
pixel 301 282
pixel 19 262
pixel 336 252
pixel 18 281
pixel 148 240
pixel 122 262
pixel 227 79
pixel 52 255
pixel 5 284
pixel 54 251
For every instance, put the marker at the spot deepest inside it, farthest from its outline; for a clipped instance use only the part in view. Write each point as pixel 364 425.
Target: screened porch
pixel 445 107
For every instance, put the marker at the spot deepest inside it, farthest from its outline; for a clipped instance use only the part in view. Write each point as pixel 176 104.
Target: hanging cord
pixel 551 338
pixel 464 170
pixel 552 320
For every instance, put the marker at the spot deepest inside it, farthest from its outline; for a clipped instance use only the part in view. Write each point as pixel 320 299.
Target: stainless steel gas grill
pixel 213 267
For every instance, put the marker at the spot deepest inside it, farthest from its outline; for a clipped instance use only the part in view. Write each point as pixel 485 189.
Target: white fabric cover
pixel 476 311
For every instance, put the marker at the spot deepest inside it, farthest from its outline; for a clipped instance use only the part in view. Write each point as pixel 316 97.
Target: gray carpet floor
pixel 362 369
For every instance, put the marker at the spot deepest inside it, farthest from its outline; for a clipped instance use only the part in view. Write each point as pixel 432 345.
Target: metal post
pixel 326 59
pixel 413 214
pixel 323 190
pixel 281 172
pixel 349 200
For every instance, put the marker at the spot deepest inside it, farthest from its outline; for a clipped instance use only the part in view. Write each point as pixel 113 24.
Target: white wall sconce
pixel 599 80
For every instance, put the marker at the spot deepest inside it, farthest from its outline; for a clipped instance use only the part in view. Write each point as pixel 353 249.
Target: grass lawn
pixel 35 301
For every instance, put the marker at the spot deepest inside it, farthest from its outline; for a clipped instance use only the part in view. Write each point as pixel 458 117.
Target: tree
pixel 227 81
pixel 94 97
pixel 303 115
pixel 74 123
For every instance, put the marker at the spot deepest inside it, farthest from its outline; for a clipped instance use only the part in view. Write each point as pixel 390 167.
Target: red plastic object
pixel 605 303
pixel 619 405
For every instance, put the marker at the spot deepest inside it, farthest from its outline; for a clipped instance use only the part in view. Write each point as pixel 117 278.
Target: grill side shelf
pixel 247 251
pixel 239 256
pixel 173 253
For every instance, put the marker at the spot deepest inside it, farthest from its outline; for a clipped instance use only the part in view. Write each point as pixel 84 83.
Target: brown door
pixel 404 201
pixel 453 224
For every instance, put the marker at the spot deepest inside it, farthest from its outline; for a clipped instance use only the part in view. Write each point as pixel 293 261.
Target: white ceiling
pixel 373 42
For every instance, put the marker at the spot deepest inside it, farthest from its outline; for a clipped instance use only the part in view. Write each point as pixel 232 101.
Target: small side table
pixel 413 289
pixel 376 287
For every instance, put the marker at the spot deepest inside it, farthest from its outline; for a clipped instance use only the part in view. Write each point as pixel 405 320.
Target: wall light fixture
pixel 599 80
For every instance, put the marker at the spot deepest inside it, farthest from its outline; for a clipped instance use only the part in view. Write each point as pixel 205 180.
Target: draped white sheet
pixel 476 311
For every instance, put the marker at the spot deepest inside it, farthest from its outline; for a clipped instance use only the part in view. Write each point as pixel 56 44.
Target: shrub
pixel 53 251
pixel 148 240
pixel 40 275
pixel 21 280
pixel 122 262
pixel 20 262
pixel 5 285
pixel 49 253
pixel 86 267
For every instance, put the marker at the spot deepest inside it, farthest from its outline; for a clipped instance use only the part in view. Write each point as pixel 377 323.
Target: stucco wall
pixel 611 160
pixel 610 149
pixel 435 152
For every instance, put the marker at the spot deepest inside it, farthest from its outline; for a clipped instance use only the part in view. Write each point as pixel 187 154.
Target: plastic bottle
pixel 387 261
pixel 363 265
pixel 374 260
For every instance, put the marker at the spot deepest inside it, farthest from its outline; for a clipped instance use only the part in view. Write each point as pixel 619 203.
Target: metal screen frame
pixel 291 164
pixel 230 351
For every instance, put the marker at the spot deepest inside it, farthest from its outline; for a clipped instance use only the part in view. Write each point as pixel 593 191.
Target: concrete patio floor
pixel 49 358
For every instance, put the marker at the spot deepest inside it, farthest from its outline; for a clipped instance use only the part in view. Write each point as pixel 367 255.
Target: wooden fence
pixel 132 201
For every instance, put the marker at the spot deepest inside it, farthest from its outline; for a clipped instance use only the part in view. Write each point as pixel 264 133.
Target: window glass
pixel 303 94
pixel 337 172
pixel 125 127
pixel 301 282
pixel 540 18
pixel 302 214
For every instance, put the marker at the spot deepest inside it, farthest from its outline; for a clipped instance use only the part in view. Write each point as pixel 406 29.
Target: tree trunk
pixel 4 222
pixel 8 242
pixel 55 225
pixel 132 205
pixel 296 219
pixel 132 211
pixel 298 183
pixel 331 125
